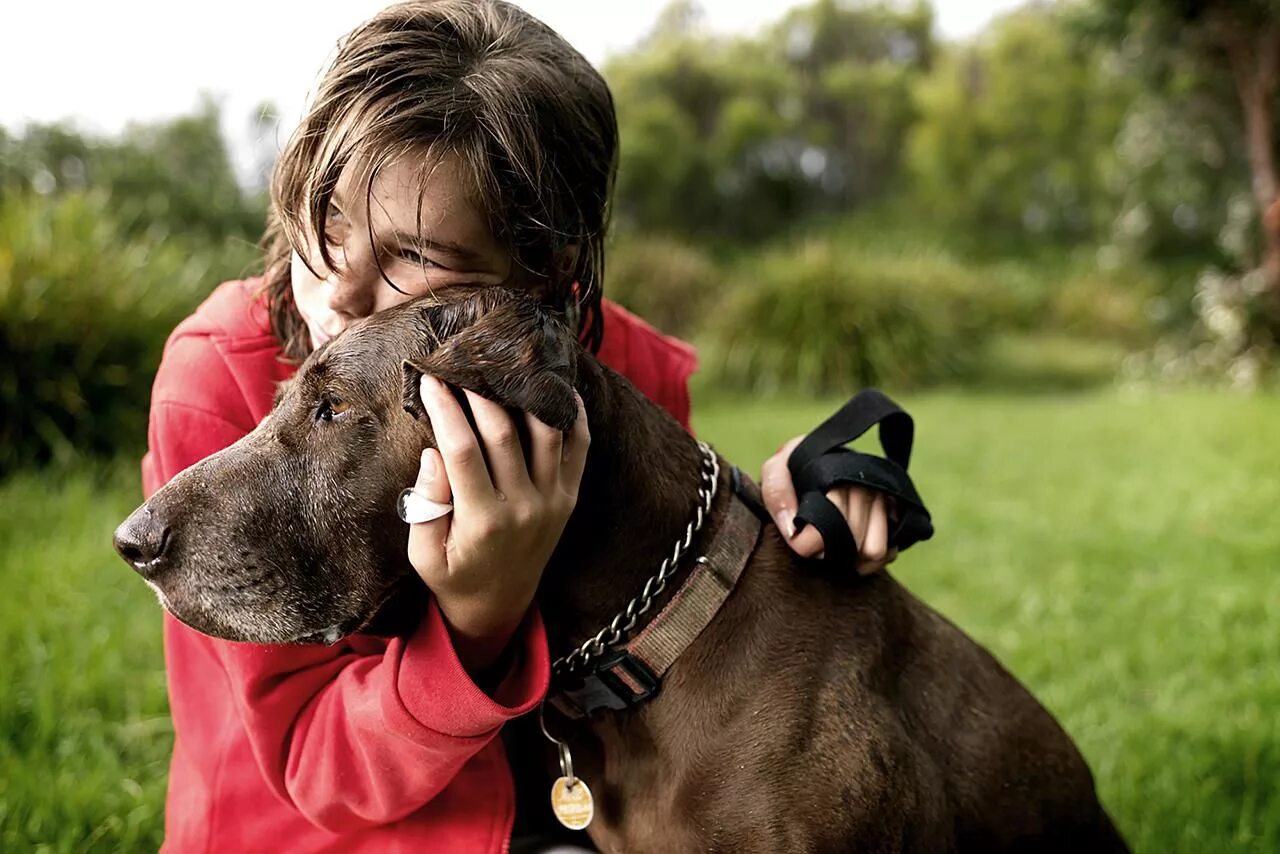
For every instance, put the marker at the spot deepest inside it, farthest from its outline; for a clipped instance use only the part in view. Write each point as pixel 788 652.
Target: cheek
pixel 387 297
pixel 306 286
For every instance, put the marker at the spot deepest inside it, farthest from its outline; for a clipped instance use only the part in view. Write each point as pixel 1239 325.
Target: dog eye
pixel 331 406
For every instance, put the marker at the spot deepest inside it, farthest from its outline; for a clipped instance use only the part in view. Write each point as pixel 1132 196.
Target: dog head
pixel 290 535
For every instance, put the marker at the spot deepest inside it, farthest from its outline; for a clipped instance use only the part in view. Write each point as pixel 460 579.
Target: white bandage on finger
pixel 415 508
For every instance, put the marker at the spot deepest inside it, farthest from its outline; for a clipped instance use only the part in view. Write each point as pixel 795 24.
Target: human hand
pixel 865 510
pixel 483 562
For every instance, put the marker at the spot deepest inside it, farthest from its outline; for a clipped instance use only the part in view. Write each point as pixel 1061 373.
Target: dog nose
pixel 141 540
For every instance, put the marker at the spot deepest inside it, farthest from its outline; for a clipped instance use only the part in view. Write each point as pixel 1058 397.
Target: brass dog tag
pixel 571 800
pixel 572 803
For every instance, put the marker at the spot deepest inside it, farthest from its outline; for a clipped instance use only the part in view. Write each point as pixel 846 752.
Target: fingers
pixel 501 443
pixel 780 496
pixel 546 449
pixel 574 454
pixel 854 505
pixel 459 448
pixel 807 543
pixel 874 545
pixel 558 460
pixel 866 512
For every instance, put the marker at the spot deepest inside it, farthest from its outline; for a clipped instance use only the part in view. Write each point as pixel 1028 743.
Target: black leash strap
pixel 822 461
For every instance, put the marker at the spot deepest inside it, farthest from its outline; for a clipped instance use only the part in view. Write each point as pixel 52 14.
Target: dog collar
pixel 619 677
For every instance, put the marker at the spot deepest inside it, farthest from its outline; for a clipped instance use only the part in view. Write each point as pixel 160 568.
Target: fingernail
pixel 786 523
pixel 429 385
pixel 429 466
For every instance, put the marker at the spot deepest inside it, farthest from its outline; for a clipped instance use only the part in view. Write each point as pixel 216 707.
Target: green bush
pixel 667 282
pixel 1103 305
pixel 816 319
pixel 84 313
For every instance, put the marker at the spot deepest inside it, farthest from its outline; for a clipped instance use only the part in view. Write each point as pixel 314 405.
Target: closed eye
pixel 409 256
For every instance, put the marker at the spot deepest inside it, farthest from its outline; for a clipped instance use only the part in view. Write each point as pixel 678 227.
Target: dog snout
pixel 142 540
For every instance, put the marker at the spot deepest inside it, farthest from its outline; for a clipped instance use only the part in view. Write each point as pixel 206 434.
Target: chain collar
pixel 625 621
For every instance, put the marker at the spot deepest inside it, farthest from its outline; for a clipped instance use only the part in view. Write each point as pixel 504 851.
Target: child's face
pixel 458 248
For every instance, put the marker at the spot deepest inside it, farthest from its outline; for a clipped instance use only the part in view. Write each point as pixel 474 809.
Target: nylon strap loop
pixel 821 462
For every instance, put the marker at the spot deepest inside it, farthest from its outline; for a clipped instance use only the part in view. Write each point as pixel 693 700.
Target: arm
pixel 367 733
pixel 354 735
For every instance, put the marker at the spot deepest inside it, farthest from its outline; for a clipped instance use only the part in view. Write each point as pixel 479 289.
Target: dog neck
pixel 638 494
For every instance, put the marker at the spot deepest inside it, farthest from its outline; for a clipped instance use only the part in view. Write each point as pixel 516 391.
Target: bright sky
pixel 105 63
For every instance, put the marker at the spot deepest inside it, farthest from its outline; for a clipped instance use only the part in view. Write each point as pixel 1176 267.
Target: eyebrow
pixel 414 241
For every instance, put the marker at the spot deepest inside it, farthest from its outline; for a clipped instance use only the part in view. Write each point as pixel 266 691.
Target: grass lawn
pixel 1120 554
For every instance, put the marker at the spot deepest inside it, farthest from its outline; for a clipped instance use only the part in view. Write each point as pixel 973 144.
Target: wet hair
pixel 531 122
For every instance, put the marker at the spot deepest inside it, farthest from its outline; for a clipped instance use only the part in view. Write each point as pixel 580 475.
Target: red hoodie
pixel 373 744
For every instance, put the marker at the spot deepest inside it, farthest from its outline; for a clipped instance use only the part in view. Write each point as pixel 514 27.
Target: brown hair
pixel 531 121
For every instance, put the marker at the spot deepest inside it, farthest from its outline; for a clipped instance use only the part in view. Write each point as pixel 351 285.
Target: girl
pixel 453 143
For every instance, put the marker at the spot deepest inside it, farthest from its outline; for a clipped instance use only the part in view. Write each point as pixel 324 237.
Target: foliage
pixel 164 179
pixel 1102 304
pixel 818 319
pixel 1177 170
pixel 84 312
pixel 854 64
pixel 666 281
pixel 742 138
pixel 1179 155
pixel 1015 131
pixel 1205 148
pixel 105 244
pixel 1081 290
pixel 1229 340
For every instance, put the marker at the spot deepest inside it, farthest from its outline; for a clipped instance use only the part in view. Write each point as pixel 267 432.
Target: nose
pixel 141 540
pixel 353 287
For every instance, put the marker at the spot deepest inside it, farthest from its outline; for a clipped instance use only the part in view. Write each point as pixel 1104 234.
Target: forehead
pixel 417 192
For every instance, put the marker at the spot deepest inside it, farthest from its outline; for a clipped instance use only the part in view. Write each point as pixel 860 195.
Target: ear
pixel 514 353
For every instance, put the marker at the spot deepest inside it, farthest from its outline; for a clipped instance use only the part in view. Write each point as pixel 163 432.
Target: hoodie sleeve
pixel 353 735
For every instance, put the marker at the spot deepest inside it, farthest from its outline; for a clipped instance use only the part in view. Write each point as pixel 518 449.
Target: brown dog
pixel 818 711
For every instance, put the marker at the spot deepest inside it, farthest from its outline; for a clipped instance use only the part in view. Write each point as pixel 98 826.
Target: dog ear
pixel 507 349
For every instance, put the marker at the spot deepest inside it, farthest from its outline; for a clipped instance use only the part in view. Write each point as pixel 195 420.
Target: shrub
pixel 1099 304
pixel 84 313
pixel 667 282
pixel 816 319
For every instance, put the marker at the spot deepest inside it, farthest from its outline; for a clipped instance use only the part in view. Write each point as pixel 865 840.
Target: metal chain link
pixel 622 624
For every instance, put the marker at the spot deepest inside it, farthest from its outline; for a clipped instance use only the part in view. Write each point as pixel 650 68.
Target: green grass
pixel 1119 554
pixel 84 727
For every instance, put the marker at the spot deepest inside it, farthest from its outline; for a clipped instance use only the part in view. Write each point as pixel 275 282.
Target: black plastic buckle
pixel 618 682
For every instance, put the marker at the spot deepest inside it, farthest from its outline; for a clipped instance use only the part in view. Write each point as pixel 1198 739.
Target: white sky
pixel 102 63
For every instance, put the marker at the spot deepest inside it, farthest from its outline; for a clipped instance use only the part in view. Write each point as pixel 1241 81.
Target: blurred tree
pixel 84 313
pixel 105 244
pixel 166 178
pixel 1210 48
pixel 740 138
pixel 855 64
pixel 1016 131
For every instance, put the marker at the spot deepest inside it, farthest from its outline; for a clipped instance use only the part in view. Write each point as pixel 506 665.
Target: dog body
pixel 819 711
